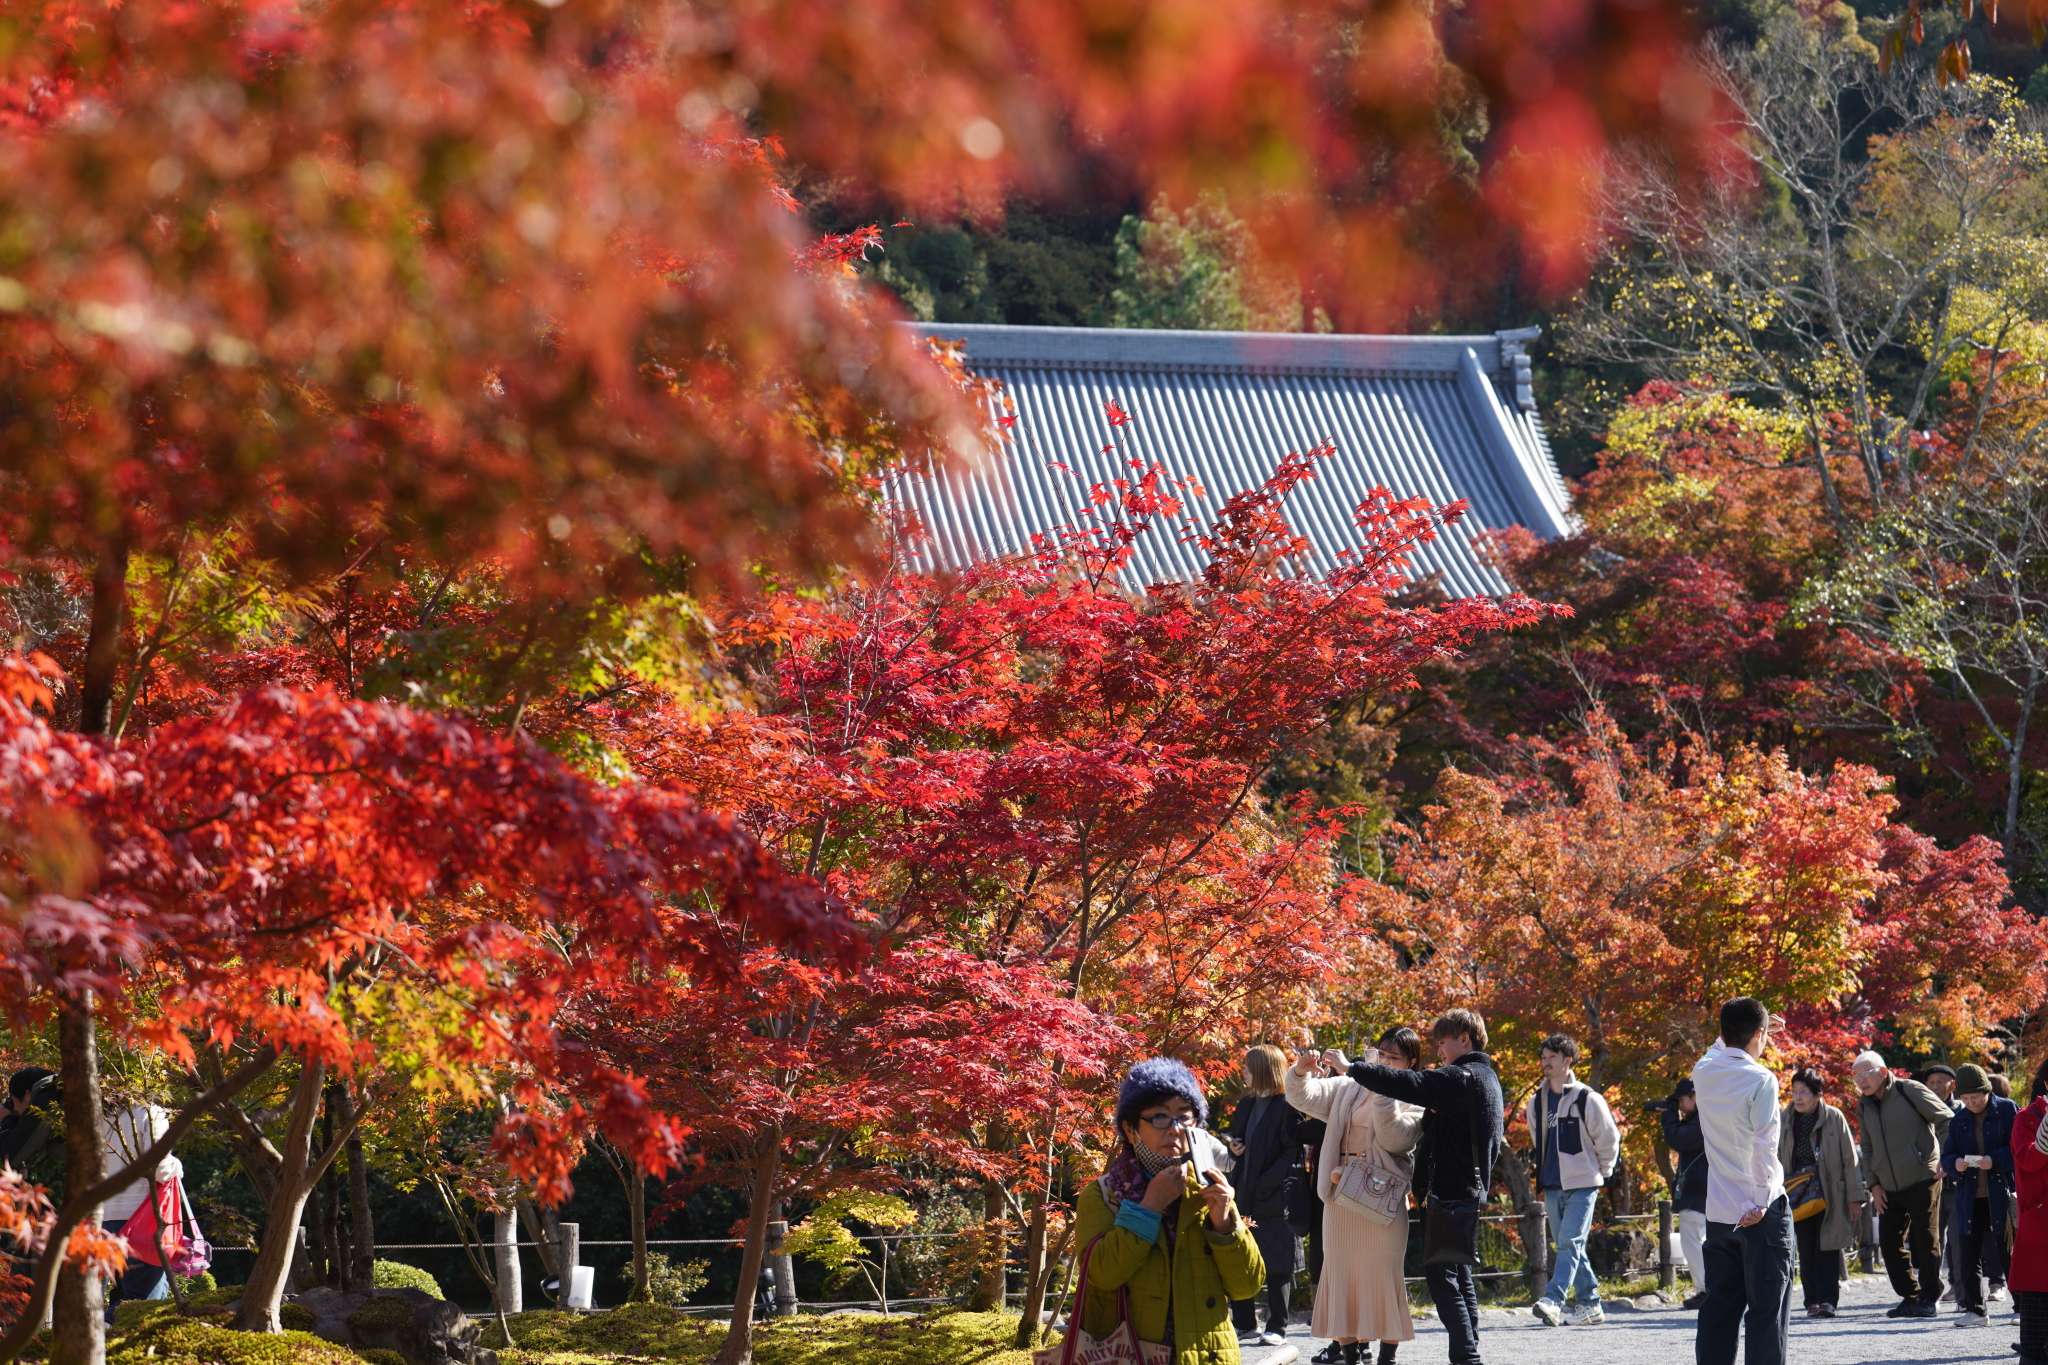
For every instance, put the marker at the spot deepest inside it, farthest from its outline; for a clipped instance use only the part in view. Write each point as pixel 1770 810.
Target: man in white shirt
pixel 1749 1225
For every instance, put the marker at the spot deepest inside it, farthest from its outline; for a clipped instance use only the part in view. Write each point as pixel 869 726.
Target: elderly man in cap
pixel 1901 1127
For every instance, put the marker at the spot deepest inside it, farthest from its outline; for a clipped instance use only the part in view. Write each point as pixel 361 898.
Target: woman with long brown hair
pixel 1361 1297
pixel 1265 1139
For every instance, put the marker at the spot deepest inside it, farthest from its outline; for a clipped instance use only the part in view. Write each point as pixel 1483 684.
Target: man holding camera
pixel 1684 1135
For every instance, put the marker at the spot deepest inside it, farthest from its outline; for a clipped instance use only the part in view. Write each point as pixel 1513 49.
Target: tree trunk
pixel 263 1293
pixel 78 1323
pixel 78 1333
pixel 1513 1171
pixel 1036 1269
pixel 739 1342
pixel 540 1227
pixel 995 1221
pixel 362 1232
pixel 636 1216
pixel 103 639
pixel 507 1296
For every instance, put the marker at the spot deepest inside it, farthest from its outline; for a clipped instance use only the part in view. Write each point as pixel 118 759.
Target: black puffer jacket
pixel 1455 1096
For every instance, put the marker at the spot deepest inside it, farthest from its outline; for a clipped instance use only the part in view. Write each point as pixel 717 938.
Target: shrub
pixel 296 1317
pixel 378 1355
pixel 670 1283
pixel 395 1275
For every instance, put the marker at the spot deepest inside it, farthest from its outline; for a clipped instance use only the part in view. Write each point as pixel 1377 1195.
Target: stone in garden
pixel 420 1328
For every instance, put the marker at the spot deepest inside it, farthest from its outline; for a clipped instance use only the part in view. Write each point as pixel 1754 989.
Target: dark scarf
pixel 1129 1174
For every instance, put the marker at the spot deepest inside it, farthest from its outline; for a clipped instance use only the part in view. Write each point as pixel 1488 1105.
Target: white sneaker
pixel 1269 1337
pixel 1586 1315
pixel 1997 1294
pixel 1972 1317
pixel 1549 1311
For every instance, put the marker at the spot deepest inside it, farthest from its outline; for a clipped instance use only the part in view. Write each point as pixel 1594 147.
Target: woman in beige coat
pixel 1812 1134
pixel 1361 1297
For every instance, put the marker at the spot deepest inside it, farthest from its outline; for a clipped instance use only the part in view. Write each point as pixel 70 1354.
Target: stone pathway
pixel 1663 1335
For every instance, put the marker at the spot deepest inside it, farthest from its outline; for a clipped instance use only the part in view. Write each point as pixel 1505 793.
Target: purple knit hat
pixel 1156 1079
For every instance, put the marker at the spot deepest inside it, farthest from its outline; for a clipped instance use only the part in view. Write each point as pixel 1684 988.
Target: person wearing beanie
pixel 1941 1079
pixel 1164 1233
pixel 1977 1159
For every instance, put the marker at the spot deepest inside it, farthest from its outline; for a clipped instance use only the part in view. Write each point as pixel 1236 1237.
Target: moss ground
pixel 650 1332
pixel 154 1334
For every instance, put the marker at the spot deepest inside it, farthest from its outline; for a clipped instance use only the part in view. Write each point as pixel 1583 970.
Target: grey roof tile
pixel 1438 417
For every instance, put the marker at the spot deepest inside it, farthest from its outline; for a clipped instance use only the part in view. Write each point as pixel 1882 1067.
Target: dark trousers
pixel 140 1280
pixel 1820 1272
pixel 1905 1234
pixel 1281 1250
pixel 1749 1290
pixel 1456 1296
pixel 2032 1307
pixel 1968 1268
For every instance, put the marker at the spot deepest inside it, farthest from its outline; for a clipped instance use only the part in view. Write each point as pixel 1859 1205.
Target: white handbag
pixel 1120 1347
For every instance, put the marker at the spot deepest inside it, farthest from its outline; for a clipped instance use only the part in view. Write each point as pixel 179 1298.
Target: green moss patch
pixel 381 1313
pixel 377 1355
pixel 296 1317
pixel 170 1340
pixel 649 1331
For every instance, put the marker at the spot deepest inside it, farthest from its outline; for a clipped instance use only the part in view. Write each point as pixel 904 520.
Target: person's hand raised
pixel 1217 1194
pixel 1237 1146
pixel 1169 1185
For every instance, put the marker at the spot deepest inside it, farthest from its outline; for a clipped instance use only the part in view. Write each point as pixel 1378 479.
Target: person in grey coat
pixel 1813 1135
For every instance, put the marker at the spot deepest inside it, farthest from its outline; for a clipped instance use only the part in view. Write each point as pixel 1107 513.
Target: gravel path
pixel 1663 1335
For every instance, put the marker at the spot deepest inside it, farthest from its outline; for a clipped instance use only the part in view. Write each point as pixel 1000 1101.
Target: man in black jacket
pixel 1683 1135
pixel 1461 1137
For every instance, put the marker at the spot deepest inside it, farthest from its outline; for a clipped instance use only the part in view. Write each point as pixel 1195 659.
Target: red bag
pixel 158 1211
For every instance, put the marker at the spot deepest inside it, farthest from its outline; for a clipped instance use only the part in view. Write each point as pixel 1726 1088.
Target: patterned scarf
pixel 1131 1172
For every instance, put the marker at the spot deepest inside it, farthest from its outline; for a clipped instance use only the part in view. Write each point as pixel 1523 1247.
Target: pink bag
pixel 1120 1347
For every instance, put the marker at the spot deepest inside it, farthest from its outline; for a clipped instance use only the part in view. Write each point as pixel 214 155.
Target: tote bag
pixel 1120 1347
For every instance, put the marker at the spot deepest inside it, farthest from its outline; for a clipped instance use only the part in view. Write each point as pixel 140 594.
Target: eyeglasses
pixel 1165 1121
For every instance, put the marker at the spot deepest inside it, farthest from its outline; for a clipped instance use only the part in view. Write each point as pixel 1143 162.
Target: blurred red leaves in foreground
pixel 524 281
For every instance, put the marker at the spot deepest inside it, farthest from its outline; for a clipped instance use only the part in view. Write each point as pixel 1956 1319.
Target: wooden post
pixel 566 1261
pixel 1667 1271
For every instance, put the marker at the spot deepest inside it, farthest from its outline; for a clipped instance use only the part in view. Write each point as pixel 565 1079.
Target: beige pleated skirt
pixel 1360 1296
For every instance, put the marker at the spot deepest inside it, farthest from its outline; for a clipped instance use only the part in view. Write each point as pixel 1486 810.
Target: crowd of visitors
pixel 1384 1164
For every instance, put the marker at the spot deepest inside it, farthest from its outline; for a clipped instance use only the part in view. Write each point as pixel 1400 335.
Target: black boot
pixel 1354 1353
pixel 1387 1349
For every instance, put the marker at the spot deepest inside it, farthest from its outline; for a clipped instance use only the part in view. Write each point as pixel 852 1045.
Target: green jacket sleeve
pixel 1238 1259
pixel 1120 1253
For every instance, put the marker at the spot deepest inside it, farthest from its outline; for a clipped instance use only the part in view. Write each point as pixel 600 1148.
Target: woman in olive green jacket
pixel 1183 1256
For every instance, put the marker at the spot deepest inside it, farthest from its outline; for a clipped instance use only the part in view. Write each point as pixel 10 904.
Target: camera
pixel 1656 1106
